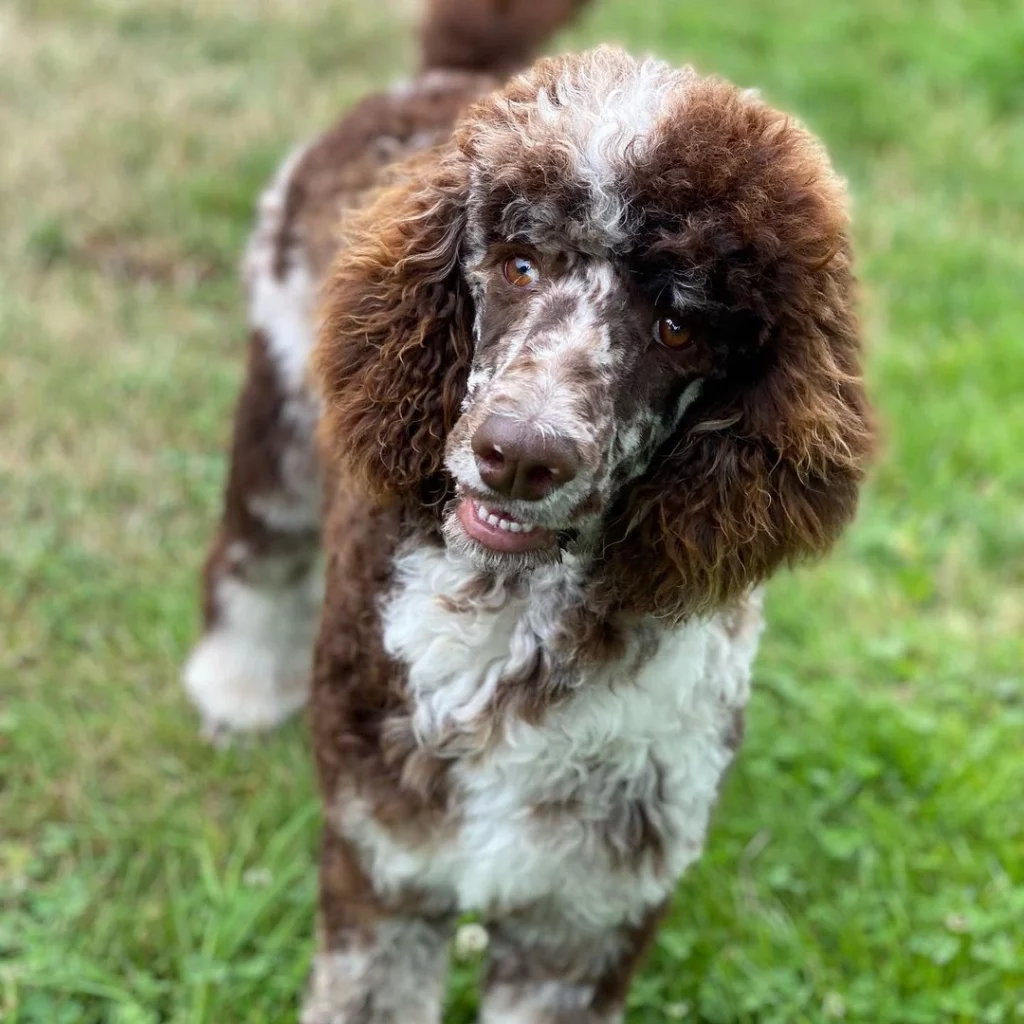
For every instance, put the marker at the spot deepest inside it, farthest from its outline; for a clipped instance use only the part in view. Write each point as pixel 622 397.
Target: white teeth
pixel 485 515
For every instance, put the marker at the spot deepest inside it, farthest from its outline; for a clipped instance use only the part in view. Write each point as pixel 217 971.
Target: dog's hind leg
pixel 262 579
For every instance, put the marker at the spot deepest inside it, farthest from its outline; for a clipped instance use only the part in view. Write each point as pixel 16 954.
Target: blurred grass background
pixel 867 861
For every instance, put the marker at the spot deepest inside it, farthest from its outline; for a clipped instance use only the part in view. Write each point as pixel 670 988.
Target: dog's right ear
pixel 395 341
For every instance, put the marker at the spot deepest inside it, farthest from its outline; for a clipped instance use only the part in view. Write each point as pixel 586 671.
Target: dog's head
pixel 614 314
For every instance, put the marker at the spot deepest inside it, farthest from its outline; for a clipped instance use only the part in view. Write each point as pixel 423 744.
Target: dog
pixel 584 371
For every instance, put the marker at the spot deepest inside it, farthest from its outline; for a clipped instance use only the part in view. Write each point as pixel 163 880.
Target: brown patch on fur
pixel 736 730
pixel 577 369
pixel 627 828
pixel 610 994
pixel 262 434
pixel 552 810
pixel 260 438
pixel 490 35
pixel 394 349
pixel 345 167
pixel 216 565
pixel 347 903
pixel 469 597
pixel 630 833
pixel 349 906
pixel 592 635
pixel 527 694
pixel 606 963
pixel 359 710
pixel 632 838
pixel 421 771
pixel 557 314
pixel 582 379
pixel 586 636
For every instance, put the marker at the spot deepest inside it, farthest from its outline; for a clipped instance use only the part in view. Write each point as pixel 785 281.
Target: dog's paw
pixel 241 686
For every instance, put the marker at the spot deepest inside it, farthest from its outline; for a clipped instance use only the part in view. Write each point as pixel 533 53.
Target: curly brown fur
pixel 393 392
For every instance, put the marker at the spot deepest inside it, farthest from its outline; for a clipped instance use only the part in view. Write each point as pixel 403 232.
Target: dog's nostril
pixel 538 477
pixel 495 469
pixel 491 456
pixel 519 461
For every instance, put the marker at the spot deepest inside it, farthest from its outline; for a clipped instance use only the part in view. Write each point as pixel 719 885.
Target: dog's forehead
pixel 555 162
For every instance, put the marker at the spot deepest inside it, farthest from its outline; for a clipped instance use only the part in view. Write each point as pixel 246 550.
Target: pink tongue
pixel 496 539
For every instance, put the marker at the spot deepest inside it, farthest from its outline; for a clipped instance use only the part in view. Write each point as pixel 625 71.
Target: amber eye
pixel 521 271
pixel 670 332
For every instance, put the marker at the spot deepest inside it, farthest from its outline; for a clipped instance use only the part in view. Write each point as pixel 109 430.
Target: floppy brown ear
pixel 768 474
pixel 395 340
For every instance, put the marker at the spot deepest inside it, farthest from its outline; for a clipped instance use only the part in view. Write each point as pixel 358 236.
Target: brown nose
pixel 519 461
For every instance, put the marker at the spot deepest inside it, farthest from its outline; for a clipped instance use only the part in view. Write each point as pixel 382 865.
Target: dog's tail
pixel 496 36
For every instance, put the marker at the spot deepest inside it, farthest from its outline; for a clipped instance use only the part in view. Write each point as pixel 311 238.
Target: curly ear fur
pixel 767 470
pixel 766 478
pixel 734 501
pixel 395 340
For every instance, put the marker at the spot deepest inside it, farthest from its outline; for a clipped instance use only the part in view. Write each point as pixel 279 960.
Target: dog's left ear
pixel 766 473
pixel 395 341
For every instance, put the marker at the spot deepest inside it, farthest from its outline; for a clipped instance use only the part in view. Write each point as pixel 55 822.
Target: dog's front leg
pixel 545 971
pixel 378 962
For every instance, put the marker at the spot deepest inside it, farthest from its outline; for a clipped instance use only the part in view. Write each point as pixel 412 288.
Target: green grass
pixel 867 860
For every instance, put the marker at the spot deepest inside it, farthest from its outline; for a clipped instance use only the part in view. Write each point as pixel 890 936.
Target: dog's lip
pixel 506 533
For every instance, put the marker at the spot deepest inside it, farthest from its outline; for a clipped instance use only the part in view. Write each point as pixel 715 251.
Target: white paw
pixel 238 684
pixel 252 670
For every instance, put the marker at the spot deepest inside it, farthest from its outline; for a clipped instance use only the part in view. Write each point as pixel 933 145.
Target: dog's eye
pixel 671 332
pixel 521 271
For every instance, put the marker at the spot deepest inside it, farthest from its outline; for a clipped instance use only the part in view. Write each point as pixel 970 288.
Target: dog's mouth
pixel 500 531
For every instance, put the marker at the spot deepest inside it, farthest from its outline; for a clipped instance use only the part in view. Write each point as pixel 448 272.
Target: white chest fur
pixel 549 811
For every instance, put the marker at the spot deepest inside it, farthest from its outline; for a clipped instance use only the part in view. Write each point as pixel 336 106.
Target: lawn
pixel 867 860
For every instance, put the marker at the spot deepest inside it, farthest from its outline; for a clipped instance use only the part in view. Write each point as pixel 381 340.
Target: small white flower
pixel 470 940
pixel 833 1006
pixel 957 923
pixel 257 878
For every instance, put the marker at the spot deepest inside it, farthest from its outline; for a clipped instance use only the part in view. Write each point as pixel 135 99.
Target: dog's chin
pixel 496 546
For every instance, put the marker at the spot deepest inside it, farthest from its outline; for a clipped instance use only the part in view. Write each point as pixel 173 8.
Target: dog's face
pixel 580 372
pixel 592 337
pixel 614 314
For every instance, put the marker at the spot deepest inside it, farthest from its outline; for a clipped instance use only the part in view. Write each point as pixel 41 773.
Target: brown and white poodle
pixel 586 373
